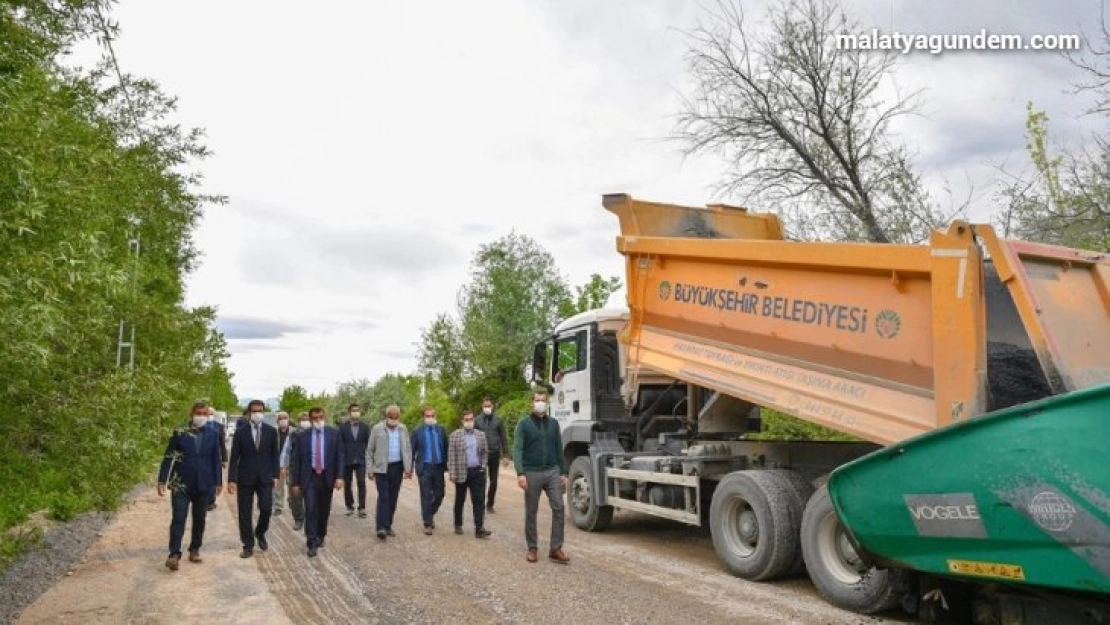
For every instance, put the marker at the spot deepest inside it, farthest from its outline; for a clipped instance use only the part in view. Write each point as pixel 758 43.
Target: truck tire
pixel 754 519
pixel 586 514
pixel 803 490
pixel 836 569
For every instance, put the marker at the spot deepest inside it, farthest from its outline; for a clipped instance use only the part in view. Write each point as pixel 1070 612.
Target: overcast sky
pixel 368 148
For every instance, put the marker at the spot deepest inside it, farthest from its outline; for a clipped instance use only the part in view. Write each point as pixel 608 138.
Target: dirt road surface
pixel 641 570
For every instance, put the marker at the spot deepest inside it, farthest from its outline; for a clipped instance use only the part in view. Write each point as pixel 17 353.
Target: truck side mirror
pixel 539 362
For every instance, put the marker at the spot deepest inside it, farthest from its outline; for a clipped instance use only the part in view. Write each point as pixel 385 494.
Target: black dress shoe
pixel 389 532
pixel 262 544
pixel 381 534
pixel 350 511
pixel 298 526
pixel 362 514
pixel 482 533
pixel 490 510
pixel 312 552
pixel 246 553
pixel 211 507
pixel 320 544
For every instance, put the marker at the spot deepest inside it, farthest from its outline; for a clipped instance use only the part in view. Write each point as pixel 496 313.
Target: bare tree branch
pixel 803 123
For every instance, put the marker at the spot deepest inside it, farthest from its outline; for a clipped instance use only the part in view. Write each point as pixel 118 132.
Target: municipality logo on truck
pixel 887 323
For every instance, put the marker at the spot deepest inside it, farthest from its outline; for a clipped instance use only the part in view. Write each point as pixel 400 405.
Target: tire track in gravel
pixel 311 590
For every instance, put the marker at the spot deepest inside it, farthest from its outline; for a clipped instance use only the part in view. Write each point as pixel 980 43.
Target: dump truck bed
pixel 884 342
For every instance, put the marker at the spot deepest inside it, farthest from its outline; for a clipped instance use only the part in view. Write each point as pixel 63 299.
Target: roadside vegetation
pixel 98 200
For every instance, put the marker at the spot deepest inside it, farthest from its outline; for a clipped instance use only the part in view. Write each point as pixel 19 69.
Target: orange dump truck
pixel 660 404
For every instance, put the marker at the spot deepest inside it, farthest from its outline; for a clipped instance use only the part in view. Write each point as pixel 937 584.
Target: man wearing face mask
pixel 219 427
pixel 296 498
pixel 283 437
pixel 429 453
pixel 316 465
pixel 466 459
pixel 490 425
pixel 355 435
pixel 191 470
pixel 540 467
pixel 389 456
pixel 253 472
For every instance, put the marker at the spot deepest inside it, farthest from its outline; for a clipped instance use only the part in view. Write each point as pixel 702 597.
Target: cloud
pixel 397 354
pixel 343 249
pixel 238 328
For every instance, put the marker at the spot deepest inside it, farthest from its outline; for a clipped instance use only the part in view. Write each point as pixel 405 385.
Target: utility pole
pixel 126 339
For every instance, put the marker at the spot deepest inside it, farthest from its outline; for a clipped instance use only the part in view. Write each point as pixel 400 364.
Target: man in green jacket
pixel 540 467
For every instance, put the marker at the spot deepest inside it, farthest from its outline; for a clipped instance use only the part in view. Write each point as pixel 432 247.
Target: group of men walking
pixel 269 466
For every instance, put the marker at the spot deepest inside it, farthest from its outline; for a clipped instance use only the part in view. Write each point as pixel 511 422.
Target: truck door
pixel 570 376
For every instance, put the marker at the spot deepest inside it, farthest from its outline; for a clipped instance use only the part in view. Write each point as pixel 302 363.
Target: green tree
pixel 393 389
pixel 350 392
pixel 97 204
pixel 513 298
pixel 1066 201
pixel 441 355
pixel 294 400
pixel 593 294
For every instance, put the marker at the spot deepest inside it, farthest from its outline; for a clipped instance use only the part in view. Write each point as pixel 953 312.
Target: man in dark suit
pixel 219 427
pixel 355 436
pixel 190 470
pixel 429 454
pixel 318 457
pixel 253 471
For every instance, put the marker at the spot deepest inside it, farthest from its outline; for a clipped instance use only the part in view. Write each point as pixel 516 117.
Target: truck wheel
pixel 836 569
pixel 754 519
pixel 803 490
pixel 587 515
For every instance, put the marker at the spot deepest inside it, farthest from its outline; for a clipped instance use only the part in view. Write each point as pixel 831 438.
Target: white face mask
pixel 355 416
pixel 319 425
pixel 200 420
pixel 256 418
pixel 283 424
pixel 306 424
pixel 487 411
pixel 392 422
pixel 539 407
pixel 430 420
pixel 468 425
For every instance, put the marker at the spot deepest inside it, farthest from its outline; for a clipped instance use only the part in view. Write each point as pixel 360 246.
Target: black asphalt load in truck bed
pixel 1014 376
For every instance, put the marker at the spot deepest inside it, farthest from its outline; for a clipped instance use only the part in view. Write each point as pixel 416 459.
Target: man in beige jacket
pixel 389 455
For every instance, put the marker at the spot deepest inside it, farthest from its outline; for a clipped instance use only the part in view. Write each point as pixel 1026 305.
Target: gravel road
pixel 641 570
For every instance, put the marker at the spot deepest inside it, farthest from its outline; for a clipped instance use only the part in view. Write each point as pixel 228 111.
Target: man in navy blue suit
pixel 254 471
pixel 318 458
pixel 190 470
pixel 429 454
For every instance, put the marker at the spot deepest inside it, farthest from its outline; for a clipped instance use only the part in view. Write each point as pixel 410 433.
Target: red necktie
pixel 319 452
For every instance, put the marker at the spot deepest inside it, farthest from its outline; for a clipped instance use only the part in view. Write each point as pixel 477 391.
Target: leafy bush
pixel 79 181
pixel 780 426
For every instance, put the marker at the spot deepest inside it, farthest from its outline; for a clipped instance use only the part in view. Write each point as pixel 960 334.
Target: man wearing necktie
pixel 252 473
pixel 429 453
pixel 318 456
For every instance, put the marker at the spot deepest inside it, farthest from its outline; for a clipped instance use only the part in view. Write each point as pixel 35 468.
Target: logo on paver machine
pixel 665 290
pixel 888 324
pixel 1052 511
